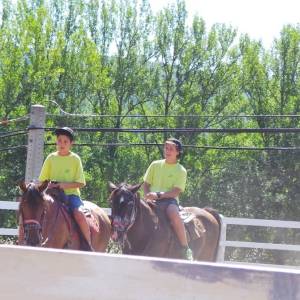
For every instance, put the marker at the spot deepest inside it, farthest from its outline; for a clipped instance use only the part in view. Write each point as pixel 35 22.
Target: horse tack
pixel 55 221
pixel 94 223
pixel 150 232
pixel 194 229
pixel 122 225
pixel 32 223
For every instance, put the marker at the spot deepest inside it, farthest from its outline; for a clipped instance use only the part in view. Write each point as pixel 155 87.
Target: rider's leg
pixel 177 224
pixel 75 204
pixel 83 224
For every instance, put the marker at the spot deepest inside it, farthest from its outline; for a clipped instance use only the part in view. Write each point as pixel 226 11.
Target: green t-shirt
pixel 163 177
pixel 63 169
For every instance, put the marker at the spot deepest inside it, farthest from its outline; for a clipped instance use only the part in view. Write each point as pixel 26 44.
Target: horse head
pixel 124 201
pixel 32 211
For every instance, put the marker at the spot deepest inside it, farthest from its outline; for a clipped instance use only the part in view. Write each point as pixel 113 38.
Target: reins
pixel 59 209
pixel 34 224
pixel 123 227
pixel 120 225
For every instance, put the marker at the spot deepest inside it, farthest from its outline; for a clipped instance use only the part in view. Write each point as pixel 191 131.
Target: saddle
pixel 74 228
pixel 193 227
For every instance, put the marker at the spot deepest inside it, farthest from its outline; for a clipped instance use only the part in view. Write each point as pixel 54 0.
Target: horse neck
pixel 141 232
pixel 145 218
pixel 55 224
pixel 51 212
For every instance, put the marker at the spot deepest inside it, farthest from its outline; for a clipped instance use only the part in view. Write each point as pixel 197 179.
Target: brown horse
pixel 45 221
pixel 142 228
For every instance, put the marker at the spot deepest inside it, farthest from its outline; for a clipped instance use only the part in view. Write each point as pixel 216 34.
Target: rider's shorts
pixel 74 201
pixel 164 203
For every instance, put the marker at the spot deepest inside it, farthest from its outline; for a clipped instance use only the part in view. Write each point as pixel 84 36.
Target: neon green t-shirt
pixel 163 177
pixel 63 169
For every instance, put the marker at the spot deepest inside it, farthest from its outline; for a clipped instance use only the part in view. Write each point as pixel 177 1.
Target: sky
pixel 261 19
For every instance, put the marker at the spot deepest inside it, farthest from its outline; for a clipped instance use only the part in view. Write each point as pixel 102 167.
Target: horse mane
pixel 33 197
pixel 125 187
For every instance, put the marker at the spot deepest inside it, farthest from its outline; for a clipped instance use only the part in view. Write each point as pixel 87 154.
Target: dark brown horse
pixel 45 221
pixel 142 228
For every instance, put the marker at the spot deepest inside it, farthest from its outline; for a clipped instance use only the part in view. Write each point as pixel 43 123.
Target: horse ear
pixel 111 186
pixel 135 188
pixel 22 186
pixel 43 186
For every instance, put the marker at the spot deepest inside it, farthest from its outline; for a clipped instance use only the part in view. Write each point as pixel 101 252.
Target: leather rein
pixel 123 225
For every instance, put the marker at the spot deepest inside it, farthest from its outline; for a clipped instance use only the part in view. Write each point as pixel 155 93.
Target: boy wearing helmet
pixel 164 180
pixel 63 169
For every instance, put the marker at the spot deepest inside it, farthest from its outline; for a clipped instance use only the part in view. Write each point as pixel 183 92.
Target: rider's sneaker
pixel 91 248
pixel 187 253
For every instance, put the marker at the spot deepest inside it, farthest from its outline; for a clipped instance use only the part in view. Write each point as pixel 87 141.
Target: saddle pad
pixel 92 221
pixel 186 216
pixel 194 229
pixel 87 211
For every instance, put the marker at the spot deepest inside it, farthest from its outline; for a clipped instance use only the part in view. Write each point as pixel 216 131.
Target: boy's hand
pixel 151 196
pixel 53 185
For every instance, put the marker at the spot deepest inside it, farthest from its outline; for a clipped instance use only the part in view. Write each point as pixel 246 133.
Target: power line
pixel 184 146
pixel 64 114
pixel 12 148
pixel 5 121
pixel 181 130
pixel 13 133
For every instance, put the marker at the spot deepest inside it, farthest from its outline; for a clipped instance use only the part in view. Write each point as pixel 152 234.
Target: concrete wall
pixel 32 273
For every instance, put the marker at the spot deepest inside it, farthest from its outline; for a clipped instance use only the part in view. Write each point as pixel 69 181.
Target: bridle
pixel 33 224
pixel 33 194
pixel 121 225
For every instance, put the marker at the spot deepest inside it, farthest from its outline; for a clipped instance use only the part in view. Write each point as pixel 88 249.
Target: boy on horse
pixel 63 169
pixel 163 182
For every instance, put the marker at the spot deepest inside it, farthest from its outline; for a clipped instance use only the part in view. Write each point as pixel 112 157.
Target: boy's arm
pixel 146 187
pixel 45 171
pixel 163 195
pixel 66 185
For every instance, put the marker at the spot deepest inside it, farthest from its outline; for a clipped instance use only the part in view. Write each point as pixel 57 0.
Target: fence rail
pixel 13 205
pixel 9 205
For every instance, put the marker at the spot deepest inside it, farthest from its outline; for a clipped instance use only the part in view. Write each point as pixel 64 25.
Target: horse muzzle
pixel 119 226
pixel 114 236
pixel 32 233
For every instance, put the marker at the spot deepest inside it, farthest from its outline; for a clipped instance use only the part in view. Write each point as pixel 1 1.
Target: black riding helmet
pixel 65 131
pixel 178 144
